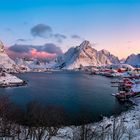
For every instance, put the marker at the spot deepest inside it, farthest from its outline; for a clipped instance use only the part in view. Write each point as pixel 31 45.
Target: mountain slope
pixel 133 60
pixel 84 55
pixel 31 64
pixel 106 58
pixel 5 61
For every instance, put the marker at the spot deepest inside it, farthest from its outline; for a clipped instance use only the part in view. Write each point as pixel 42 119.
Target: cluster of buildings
pixel 127 79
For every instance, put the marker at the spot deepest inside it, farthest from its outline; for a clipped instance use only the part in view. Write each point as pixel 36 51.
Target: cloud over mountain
pixel 48 50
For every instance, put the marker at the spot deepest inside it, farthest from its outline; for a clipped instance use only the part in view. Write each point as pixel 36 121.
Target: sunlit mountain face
pixel 48 28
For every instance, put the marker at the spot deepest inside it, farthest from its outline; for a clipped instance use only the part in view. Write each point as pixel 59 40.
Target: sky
pixel 113 25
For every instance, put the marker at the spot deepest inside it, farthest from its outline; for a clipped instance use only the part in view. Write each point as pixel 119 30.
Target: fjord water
pixel 82 96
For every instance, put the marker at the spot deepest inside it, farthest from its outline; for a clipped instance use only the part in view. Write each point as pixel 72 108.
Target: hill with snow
pixel 30 64
pixel 133 60
pixel 8 80
pixel 105 58
pixel 6 62
pixel 84 55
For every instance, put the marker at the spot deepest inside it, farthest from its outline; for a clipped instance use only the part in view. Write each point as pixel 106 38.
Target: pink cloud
pixel 31 54
pixel 14 55
pixel 36 54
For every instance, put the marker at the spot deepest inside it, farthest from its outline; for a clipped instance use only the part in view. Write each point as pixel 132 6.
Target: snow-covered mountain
pixel 133 60
pixel 84 55
pixel 6 62
pixel 105 58
pixel 30 64
pixel 122 61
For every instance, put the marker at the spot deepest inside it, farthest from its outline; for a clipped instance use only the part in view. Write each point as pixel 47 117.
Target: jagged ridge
pixel 85 55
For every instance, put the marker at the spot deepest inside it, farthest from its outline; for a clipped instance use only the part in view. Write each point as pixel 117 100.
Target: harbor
pixel 125 78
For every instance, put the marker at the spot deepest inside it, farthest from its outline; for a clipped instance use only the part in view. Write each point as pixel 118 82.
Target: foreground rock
pixel 8 80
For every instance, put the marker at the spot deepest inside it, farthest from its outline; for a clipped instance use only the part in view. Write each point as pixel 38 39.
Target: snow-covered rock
pixel 7 80
pixel 31 64
pixel 136 88
pixel 36 64
pixel 122 61
pixel 5 61
pixel 84 55
pixel 133 60
pixel 106 57
pixel 22 65
pixel 118 66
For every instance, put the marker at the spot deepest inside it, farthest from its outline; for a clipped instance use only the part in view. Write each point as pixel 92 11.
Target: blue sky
pixel 110 24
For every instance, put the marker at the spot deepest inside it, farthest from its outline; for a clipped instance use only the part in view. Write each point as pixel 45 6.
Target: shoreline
pixel 10 80
pixel 24 83
pixel 129 119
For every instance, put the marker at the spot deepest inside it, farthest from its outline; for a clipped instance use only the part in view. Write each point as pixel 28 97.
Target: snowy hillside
pixel 133 60
pixel 5 61
pixel 106 57
pixel 30 64
pixel 84 55
pixel 8 80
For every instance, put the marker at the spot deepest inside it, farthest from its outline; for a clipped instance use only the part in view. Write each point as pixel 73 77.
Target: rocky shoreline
pixel 24 83
pixel 8 80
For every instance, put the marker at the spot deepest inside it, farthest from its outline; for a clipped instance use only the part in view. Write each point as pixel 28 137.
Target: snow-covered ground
pixel 6 62
pixel 7 80
pixel 126 127
pixel 123 127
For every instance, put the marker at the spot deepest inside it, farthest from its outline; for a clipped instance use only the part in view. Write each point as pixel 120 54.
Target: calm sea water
pixel 82 96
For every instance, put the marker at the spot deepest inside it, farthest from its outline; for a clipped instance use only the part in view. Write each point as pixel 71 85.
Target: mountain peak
pixel 85 44
pixel 85 55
